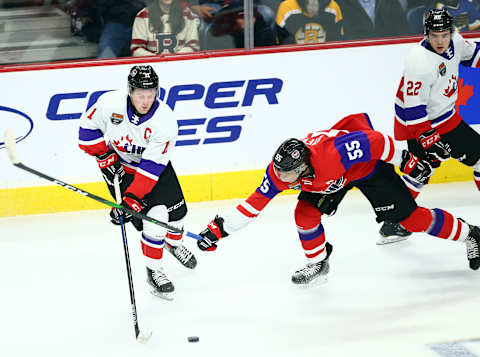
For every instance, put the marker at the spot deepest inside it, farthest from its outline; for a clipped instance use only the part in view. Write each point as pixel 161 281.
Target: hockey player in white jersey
pixel 132 135
pixel 425 112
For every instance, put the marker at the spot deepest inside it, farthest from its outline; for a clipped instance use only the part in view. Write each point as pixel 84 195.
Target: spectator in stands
pixel 373 18
pixel 118 17
pixel 308 21
pixel 466 15
pixel 226 29
pixel 85 21
pixel 206 10
pixel 165 26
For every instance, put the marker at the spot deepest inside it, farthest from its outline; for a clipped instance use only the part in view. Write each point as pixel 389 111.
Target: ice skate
pixel 473 246
pixel 392 233
pixel 313 273
pixel 183 255
pixel 162 286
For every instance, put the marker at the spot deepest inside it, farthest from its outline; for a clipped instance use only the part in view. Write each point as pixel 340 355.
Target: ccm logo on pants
pixel 385 208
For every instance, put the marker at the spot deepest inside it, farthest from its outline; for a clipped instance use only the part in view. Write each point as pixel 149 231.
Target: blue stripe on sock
pixel 438 222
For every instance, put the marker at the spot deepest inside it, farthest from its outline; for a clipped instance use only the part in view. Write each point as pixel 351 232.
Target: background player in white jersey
pixel 425 113
pixel 132 135
pixel 322 166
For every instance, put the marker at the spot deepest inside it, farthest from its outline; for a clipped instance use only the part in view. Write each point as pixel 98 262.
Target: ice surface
pixel 64 289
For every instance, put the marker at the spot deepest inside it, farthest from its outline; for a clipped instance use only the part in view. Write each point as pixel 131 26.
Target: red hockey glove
pixel 432 143
pixel 135 204
pixel 212 234
pixel 419 170
pixel 110 166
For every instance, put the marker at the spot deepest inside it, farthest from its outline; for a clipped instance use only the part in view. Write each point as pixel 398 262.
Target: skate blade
pixel 389 240
pixel 165 296
pixel 317 282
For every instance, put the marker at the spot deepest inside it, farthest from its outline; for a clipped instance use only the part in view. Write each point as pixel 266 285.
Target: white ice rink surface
pixel 64 289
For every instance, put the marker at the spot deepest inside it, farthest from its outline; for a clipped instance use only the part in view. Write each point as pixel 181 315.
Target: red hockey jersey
pixel 347 152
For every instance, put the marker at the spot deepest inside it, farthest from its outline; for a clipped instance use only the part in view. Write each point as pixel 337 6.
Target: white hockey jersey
pixel 428 89
pixel 143 143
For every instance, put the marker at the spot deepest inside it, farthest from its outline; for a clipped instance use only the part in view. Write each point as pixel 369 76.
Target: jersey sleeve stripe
pixel 386 148
pixel 91 142
pixel 97 149
pixel 412 113
pixel 250 208
pixel 256 201
pixel 443 117
pixel 90 135
pixel 245 211
pixel 389 149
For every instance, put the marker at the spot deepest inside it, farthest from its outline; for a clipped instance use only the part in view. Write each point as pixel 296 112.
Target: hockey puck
pixel 193 339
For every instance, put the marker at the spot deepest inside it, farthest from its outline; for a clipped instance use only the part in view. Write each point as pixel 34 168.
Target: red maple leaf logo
pixel 464 94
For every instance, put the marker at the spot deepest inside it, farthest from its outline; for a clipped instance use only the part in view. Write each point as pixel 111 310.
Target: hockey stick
pixel 13 155
pixel 141 337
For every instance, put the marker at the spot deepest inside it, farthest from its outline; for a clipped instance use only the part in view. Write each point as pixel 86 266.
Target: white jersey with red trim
pixel 146 42
pixel 143 143
pixel 428 89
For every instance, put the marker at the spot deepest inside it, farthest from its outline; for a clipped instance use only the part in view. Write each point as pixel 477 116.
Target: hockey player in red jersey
pixel 141 133
pixel 425 114
pixel 326 164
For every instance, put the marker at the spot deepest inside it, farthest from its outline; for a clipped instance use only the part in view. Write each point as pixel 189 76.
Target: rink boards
pixel 233 110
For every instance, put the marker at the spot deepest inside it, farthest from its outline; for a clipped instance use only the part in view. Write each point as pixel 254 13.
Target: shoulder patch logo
pixel 116 118
pixel 442 69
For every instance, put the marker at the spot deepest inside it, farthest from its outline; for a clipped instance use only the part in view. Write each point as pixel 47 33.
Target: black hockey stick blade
pixel 14 158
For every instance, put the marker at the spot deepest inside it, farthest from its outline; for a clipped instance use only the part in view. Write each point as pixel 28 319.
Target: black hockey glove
pixel 327 204
pixel 435 148
pixel 419 170
pixel 116 213
pixel 135 204
pixel 110 166
pixel 212 234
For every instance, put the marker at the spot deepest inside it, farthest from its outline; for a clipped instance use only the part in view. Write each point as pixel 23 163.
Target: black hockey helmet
pixel 143 77
pixel 290 155
pixel 437 20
